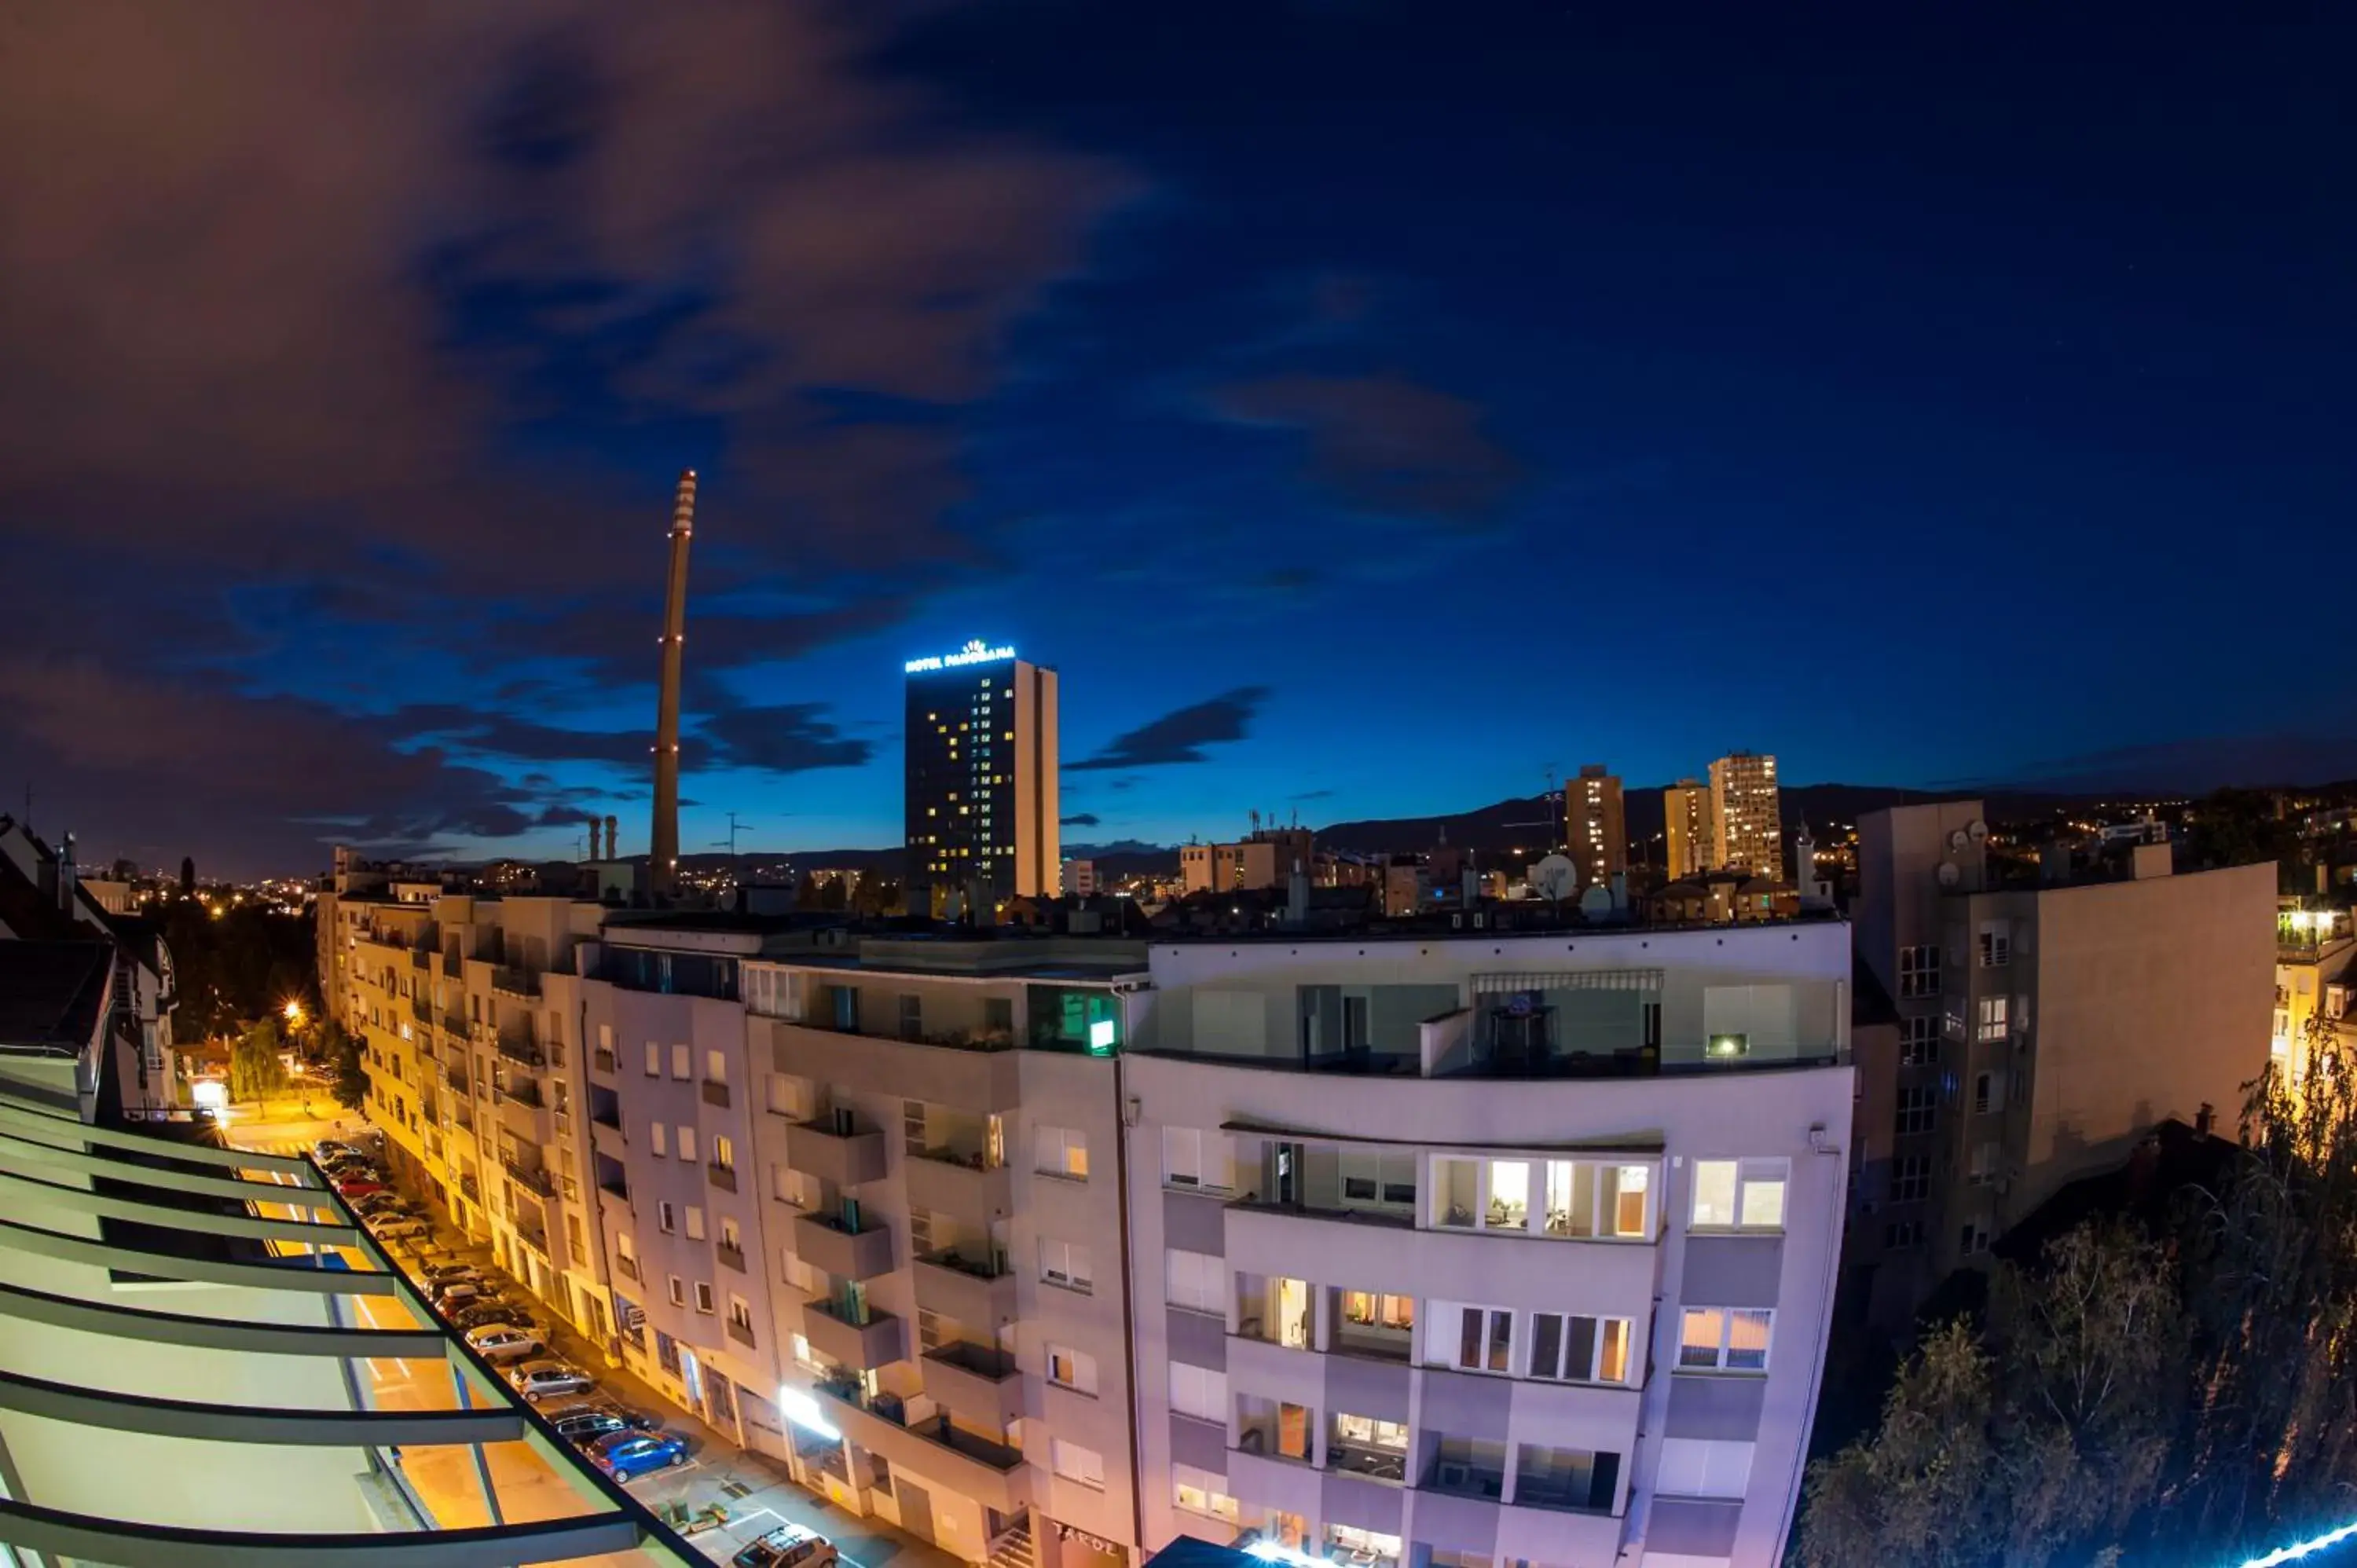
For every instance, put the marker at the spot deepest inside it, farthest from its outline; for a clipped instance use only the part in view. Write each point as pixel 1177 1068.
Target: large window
pixel 1196 1280
pixel 1196 1159
pixel 1065 1264
pixel 1725 1339
pixel 1373 1180
pixel 1576 1349
pixel 1061 1151
pixel 1991 1024
pixel 1918 971
pixel 1485 1339
pixel 1199 1392
pixel 1703 1468
pixel 1918 1041
pixel 1199 1491
pixel 1070 1369
pixel 1917 1107
pixel 1911 1179
pixel 1740 1194
pixel 1574 1199
pixel 1996 943
pixel 1565 1478
pixel 1075 1463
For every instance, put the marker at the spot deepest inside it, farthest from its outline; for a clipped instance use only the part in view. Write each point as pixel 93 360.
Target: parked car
pixel 357 1187
pixel 501 1344
pixel 449 1298
pixel 328 1149
pixel 492 1314
pixel 624 1455
pixel 381 1203
pixel 787 1546
pixel 434 1273
pixel 395 1227
pixel 538 1380
pixel 586 1423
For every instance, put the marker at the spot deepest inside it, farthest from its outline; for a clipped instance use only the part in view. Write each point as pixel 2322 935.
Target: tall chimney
pixel 663 850
pixel 610 839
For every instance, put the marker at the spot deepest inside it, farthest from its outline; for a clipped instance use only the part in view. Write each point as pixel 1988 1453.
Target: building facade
pixel 2044 1029
pixel 1594 826
pixel 2316 969
pixel 981 796
pixel 1691 840
pixel 1747 830
pixel 1453 1251
pixel 1265 859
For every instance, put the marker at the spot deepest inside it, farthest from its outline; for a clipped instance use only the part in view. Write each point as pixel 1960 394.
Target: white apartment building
pixel 1514 1250
pixel 1048 1250
pixel 1746 815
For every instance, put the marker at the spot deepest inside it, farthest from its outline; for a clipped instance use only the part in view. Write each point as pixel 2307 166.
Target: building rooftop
pixel 52 994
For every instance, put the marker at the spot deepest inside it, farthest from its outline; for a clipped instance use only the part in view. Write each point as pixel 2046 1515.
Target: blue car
pixel 626 1454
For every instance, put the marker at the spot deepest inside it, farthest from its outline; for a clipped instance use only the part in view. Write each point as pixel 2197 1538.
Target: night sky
pixel 1364 406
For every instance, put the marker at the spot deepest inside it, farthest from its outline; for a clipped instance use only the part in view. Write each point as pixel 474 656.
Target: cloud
pixel 787 738
pixel 1084 820
pixel 1312 795
pixel 1181 736
pixel 404 317
pixel 1386 444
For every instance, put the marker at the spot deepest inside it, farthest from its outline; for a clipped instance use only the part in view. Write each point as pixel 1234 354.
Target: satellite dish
pixel 1597 900
pixel 1956 840
pixel 1977 831
pixel 1949 875
pixel 1554 878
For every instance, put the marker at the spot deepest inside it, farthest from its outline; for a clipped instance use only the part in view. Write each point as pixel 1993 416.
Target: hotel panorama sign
pixel 976 652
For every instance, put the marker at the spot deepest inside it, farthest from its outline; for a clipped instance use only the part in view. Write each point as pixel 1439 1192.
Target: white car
pixel 537 1380
pixel 399 1228
pixel 501 1344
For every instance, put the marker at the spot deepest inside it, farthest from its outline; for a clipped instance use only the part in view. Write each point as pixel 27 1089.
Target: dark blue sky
pixel 1372 404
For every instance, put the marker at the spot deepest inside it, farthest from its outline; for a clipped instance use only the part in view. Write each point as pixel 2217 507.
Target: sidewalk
pixel 753 1488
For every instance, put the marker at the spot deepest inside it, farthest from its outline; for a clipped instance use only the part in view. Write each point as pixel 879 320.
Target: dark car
pixel 586 1424
pixel 484 1315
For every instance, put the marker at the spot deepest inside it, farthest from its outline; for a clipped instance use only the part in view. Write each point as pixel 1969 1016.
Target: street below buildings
pixel 751 1491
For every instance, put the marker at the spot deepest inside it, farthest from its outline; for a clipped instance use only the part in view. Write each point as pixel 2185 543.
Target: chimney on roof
pixel 66 875
pixel 612 854
pixel 1297 896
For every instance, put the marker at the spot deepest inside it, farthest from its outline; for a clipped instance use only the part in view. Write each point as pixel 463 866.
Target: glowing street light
pixel 293 1011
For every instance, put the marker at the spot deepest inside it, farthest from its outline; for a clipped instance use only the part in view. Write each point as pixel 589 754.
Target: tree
pixel 348 1068
pixel 188 876
pixel 255 1070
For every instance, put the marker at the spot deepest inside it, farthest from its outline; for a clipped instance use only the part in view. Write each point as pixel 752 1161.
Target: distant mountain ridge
pixel 1520 823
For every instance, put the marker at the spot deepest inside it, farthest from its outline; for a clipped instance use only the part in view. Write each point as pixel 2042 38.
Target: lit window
pixel 1717 1338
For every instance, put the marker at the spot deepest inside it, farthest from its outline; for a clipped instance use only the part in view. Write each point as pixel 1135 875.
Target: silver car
pixel 537 1380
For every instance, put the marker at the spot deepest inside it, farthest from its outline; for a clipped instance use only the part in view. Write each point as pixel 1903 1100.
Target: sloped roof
pixel 53 993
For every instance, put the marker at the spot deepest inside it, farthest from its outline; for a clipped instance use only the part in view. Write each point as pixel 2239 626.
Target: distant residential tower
pixel 1744 809
pixel 1594 826
pixel 1685 810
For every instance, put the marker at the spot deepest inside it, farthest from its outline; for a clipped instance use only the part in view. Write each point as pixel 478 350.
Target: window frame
pixel 1208 1160
pixel 1191 1386
pixel 1081 1284
pixel 1916 1112
pixel 1059 1151
pixel 1215 1304
pixel 1723 1350
pixel 1082 1377
pixel 1919 971
pixel 1601 1340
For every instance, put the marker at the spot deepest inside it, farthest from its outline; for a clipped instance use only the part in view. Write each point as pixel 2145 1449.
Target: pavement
pixel 753 1488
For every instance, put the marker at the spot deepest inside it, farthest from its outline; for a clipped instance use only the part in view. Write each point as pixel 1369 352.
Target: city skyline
pixel 1937 398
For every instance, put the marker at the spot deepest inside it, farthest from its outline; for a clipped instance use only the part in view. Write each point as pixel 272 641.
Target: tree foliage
pixel 347 1077
pixel 2190 1396
pixel 255 1070
pixel 237 966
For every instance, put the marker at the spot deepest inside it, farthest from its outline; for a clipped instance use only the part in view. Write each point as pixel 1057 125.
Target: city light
pixel 975 652
pixel 2298 1550
pixel 803 1412
pixel 293 1011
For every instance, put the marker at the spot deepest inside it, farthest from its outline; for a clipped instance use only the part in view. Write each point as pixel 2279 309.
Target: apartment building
pixel 1691 843
pixel 1596 826
pixel 2045 1028
pixel 1265 859
pixel 2316 970
pixel 1746 815
pixel 1454 1252
pixel 942 1165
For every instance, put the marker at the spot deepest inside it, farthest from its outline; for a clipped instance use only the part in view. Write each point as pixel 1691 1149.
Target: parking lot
pixel 750 1489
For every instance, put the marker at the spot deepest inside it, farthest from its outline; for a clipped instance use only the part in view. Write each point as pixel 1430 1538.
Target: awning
pixel 1569 980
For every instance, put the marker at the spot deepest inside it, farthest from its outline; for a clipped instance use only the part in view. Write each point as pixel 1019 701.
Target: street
pixel 753 1491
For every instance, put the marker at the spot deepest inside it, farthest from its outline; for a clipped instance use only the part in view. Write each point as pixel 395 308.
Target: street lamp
pixel 293 1011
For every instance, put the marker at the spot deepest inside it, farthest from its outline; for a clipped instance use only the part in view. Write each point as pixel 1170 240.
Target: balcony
pixel 742 1333
pixel 722 1176
pixel 516 981
pixel 979 1382
pixel 606 1137
pixel 522 1048
pixel 990 1473
pixel 626 1267
pixel 530 1179
pixel 522 1091
pixel 843 1156
pixel 865 1346
pixel 973 1291
pixel 715 1094
pixel 730 1257
pixel 602 1060
pixel 823 1242
pixel 455 1079
pixel 618 1188
pixel 965 1185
